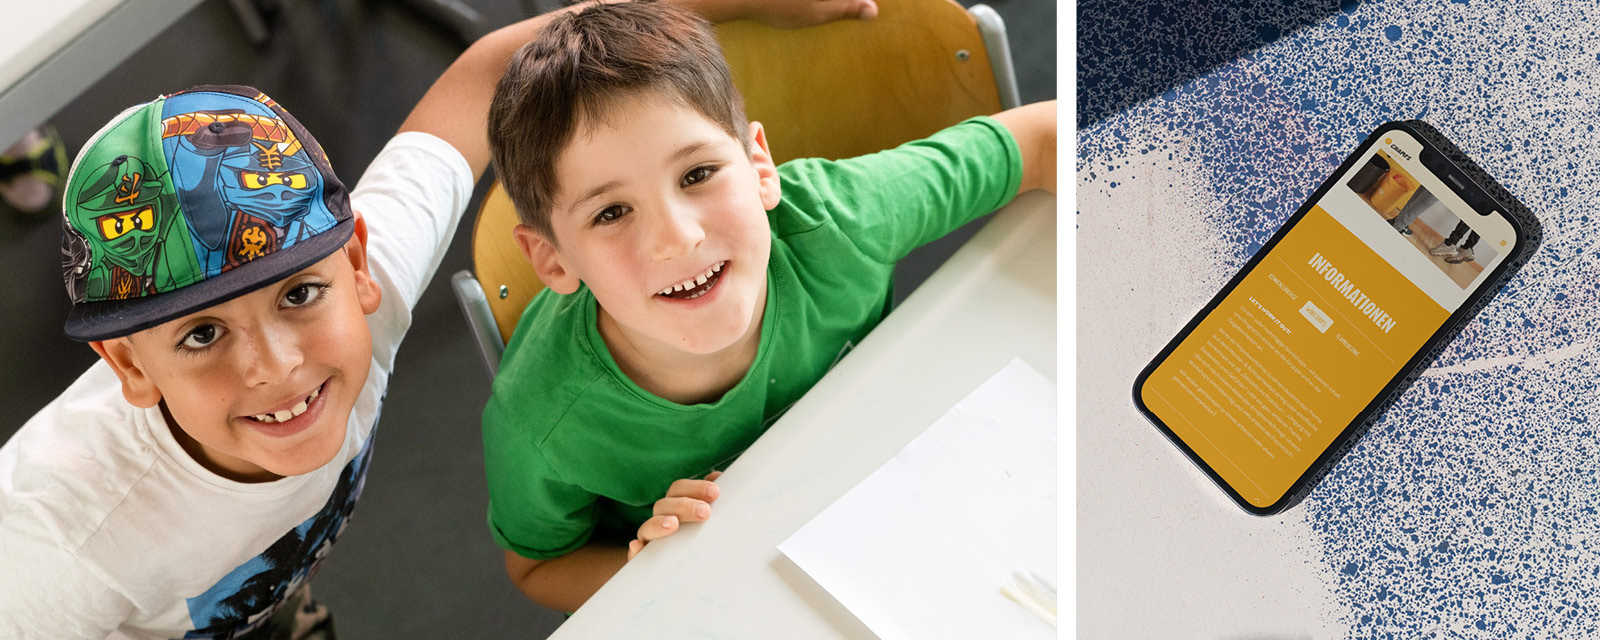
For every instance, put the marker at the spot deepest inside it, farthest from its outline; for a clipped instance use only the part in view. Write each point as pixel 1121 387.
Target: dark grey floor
pixel 417 560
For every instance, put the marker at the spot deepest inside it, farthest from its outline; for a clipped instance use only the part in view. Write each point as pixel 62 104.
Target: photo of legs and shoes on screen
pixel 1418 215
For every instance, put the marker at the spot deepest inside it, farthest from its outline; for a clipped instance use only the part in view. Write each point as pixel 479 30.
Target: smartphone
pixel 1274 379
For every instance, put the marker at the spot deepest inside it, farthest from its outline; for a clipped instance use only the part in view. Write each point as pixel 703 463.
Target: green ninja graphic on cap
pixel 125 213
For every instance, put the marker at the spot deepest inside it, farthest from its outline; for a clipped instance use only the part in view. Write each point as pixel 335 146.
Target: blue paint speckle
pixel 1392 33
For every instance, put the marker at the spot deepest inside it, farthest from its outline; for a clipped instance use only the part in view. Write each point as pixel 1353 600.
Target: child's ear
pixel 546 260
pixel 766 171
pixel 137 387
pixel 367 290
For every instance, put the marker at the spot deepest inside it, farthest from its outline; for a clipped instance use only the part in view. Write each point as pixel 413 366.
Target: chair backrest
pixel 850 88
pixel 507 279
pixel 834 91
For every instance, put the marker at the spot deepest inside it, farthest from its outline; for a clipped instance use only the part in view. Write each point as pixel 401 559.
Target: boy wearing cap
pixel 247 315
pixel 695 291
pixel 189 484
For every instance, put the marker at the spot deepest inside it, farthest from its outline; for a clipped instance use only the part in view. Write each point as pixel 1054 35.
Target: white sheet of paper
pixel 922 547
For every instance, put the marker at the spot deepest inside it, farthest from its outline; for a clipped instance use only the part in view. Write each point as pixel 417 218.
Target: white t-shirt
pixel 108 529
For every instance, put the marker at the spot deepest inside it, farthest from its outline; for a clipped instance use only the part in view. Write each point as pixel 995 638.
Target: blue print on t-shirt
pixel 250 594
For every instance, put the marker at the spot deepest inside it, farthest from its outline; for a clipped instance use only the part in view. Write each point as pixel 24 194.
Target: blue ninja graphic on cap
pixel 233 152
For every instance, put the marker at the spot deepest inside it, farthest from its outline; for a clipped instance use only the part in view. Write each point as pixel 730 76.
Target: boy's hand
pixel 785 14
pixel 686 501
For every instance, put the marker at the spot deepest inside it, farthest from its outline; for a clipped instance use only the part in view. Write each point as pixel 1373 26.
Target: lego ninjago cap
pixel 189 201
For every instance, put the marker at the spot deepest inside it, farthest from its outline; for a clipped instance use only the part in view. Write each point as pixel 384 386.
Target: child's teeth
pixel 280 416
pixel 693 282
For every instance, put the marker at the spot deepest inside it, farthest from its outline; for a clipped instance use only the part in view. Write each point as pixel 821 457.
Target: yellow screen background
pixel 1257 390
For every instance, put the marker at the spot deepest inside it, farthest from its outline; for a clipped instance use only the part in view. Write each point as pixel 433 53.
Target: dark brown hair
pixel 578 68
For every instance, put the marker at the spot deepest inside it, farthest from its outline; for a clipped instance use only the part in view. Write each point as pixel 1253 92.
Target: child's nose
pixel 676 233
pixel 271 355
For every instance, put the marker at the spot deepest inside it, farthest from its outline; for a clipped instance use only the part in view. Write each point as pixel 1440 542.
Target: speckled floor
pixel 1468 510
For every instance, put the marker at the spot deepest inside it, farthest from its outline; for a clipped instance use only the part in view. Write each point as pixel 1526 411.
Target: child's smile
pixel 695 287
pixel 292 416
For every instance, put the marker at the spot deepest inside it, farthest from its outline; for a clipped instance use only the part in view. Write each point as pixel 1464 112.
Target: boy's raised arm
pixel 1034 127
pixel 456 107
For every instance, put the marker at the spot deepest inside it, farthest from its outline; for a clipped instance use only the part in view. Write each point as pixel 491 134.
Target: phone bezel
pixel 1479 198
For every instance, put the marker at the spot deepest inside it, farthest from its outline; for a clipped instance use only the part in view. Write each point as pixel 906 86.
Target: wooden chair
pixel 834 91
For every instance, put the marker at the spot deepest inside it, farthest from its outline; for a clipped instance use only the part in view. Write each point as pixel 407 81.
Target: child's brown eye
pixel 304 294
pixel 610 214
pixel 200 337
pixel 697 175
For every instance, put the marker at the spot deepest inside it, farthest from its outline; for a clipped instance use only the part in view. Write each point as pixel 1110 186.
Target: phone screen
pixel 1317 327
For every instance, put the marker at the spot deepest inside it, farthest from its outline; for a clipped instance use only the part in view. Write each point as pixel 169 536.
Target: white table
pixel 52 50
pixel 992 301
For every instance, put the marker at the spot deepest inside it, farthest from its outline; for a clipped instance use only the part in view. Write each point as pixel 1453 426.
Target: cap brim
pixel 90 321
